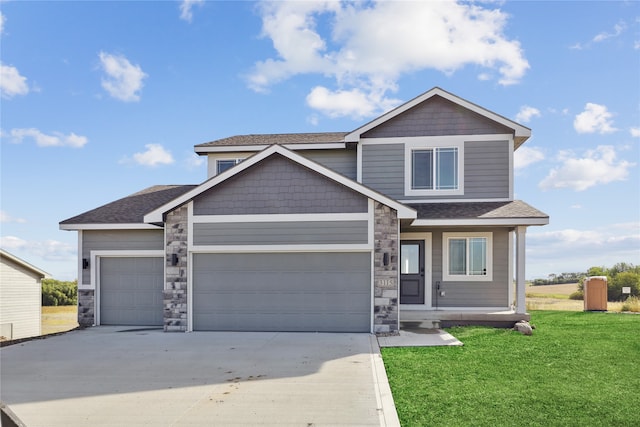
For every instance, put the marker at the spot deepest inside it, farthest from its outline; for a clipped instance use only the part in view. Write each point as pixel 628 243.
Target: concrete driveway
pixel 115 376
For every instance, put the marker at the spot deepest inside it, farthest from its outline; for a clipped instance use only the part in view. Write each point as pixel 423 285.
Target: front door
pixel 412 272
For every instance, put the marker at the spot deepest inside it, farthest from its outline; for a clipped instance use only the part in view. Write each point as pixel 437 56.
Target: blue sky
pixel 102 99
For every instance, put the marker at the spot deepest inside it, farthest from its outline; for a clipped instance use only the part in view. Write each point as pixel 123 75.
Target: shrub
pixel 629 279
pixel 577 295
pixel 56 292
pixel 631 304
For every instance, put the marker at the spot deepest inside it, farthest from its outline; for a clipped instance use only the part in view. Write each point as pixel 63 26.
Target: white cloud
pixel 5 217
pixel 123 80
pixel 635 132
pixel 3 19
pixel 155 155
pixel 355 102
pixel 596 167
pixel 373 43
pixel 526 113
pixel 11 82
pixel 525 156
pixel 186 9
pixel 617 30
pixel 50 250
pixel 574 250
pixel 594 118
pixel 56 139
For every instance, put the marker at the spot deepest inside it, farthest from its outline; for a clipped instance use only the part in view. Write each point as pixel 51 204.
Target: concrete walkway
pixel 419 338
pixel 114 376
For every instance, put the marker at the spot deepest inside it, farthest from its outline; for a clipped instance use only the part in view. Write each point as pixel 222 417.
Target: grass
pixel 59 318
pixel 578 369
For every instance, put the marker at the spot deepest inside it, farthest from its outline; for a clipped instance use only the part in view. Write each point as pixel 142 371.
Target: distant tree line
pixel 559 279
pixel 56 292
pixel 621 275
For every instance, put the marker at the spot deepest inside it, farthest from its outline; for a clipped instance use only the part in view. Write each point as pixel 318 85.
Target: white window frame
pixel 214 158
pixel 235 162
pixel 466 277
pixel 429 143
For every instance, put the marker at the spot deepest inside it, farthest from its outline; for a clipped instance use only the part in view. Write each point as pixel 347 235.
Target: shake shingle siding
pixel 278 186
pixel 434 117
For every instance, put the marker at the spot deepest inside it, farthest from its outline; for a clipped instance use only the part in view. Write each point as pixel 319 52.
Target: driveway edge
pixel 386 406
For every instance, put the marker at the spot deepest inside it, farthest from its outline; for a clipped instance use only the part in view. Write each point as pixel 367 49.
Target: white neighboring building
pixel 20 297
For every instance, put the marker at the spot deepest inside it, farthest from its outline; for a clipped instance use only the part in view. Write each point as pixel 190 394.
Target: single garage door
pixel 328 292
pixel 131 291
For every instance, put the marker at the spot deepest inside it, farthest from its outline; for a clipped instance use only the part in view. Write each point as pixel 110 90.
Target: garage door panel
pixel 282 292
pixel 131 291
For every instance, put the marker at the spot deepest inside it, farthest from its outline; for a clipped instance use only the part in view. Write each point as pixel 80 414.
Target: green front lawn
pixel 578 369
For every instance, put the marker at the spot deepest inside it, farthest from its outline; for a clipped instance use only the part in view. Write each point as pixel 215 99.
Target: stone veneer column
pixel 175 291
pixel 386 230
pixel 86 307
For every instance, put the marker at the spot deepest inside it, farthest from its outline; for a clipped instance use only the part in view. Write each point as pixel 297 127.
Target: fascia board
pixel 293 147
pixel 479 222
pixel 111 226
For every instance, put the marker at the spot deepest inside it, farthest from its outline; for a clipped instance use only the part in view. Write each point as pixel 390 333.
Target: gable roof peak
pixel 521 133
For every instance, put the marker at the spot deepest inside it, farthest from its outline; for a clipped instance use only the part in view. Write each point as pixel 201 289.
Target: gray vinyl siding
pixel 473 294
pixel 20 302
pixel 102 240
pixel 342 161
pixel 278 186
pixel 486 170
pixel 383 168
pixel 281 233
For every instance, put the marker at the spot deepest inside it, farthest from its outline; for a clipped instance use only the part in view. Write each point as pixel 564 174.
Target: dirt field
pixel 59 319
pixel 564 289
pixel 556 297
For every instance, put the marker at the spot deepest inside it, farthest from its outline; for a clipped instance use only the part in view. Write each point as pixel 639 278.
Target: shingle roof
pixel 477 210
pixel 279 139
pixel 131 209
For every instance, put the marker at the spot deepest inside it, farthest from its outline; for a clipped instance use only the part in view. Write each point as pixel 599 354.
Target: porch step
pixel 420 324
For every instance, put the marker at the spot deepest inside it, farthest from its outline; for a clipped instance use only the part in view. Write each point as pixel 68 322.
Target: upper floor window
pixel 434 168
pixel 224 164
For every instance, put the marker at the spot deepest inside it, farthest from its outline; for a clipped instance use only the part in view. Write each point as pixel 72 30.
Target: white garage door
pixel 328 292
pixel 131 291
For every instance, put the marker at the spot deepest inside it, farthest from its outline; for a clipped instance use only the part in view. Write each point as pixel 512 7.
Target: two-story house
pixel 409 218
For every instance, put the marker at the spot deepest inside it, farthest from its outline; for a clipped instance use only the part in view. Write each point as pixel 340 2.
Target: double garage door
pixel 327 292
